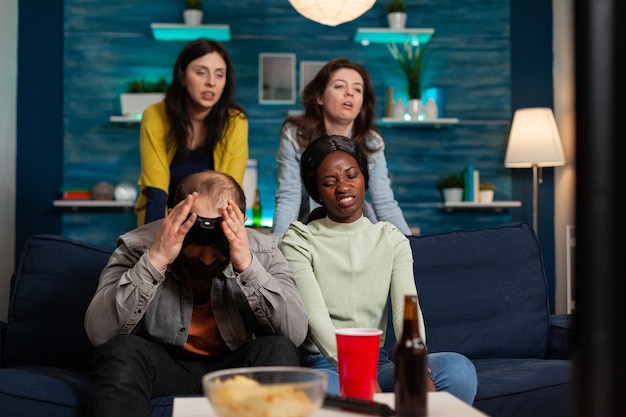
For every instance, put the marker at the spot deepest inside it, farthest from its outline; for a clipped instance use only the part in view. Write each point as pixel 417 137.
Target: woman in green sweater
pixel 347 268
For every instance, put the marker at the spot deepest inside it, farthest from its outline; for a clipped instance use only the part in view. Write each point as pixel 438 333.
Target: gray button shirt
pixel 133 297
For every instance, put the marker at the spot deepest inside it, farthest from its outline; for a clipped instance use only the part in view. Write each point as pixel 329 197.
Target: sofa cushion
pixel 523 387
pixel 55 280
pixel 505 377
pixel 49 391
pixel 483 292
pixel 44 391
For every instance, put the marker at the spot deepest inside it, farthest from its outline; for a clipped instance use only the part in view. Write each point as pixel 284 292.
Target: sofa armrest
pixel 561 343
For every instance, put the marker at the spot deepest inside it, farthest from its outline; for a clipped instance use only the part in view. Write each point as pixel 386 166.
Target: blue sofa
pixel 45 354
pixel 483 293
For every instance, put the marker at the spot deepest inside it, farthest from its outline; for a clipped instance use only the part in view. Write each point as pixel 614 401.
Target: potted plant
pixel 486 190
pixel 193 14
pixel 143 86
pixel 412 60
pixel 140 94
pixel 396 14
pixel 451 187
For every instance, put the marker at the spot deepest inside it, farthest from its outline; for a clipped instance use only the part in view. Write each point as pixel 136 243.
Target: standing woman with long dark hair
pixel 197 126
pixel 338 101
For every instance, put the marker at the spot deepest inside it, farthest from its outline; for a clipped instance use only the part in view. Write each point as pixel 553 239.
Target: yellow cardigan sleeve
pixel 156 155
pixel 231 153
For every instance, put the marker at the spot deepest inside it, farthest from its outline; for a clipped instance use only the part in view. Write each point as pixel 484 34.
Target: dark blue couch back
pixel 55 280
pixel 483 292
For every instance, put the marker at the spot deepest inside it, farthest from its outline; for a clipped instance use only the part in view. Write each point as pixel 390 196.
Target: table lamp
pixel 534 142
pixel 332 12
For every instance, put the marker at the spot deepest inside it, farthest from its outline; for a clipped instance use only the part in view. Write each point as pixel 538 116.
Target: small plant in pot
pixel 487 190
pixel 412 60
pixel 451 187
pixel 450 181
pixel 144 86
pixel 194 4
pixel 396 14
pixel 395 6
pixel 140 94
pixel 193 14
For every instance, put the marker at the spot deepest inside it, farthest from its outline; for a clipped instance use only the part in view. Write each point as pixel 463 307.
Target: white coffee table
pixel 440 404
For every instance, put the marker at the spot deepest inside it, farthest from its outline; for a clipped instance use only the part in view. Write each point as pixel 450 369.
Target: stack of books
pixel 76 194
pixel 471 184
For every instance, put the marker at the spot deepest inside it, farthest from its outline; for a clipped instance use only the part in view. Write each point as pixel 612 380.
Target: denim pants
pixel 130 370
pixel 451 372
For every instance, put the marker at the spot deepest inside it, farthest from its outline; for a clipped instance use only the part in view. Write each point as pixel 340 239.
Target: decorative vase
pixel 192 17
pixel 415 109
pixel 396 20
pixel 125 191
pixel 399 109
pixel 452 195
pixel 430 109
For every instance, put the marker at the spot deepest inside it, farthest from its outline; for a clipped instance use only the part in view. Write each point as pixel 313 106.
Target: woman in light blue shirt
pixel 338 101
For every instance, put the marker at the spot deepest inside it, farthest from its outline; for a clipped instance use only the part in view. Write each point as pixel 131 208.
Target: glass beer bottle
pixel 256 210
pixel 411 365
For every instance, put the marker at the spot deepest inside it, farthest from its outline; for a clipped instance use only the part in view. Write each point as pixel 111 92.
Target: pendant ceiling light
pixel 332 12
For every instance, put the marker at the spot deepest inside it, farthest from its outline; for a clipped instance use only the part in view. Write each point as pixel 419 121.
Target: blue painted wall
pixel 531 86
pixel 106 44
pixel 75 58
pixel 39 167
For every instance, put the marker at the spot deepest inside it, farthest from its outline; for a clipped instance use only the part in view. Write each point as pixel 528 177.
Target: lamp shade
pixel 534 140
pixel 332 12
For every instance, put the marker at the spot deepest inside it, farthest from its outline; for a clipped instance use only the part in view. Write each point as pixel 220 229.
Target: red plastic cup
pixel 357 352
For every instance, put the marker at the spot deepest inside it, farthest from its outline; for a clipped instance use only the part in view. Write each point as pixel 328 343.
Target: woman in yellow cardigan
pixel 197 126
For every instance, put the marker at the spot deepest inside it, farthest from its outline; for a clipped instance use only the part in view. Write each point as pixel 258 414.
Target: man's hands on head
pixel 233 225
pixel 168 240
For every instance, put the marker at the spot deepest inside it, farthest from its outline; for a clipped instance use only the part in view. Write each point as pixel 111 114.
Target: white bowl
pixel 265 391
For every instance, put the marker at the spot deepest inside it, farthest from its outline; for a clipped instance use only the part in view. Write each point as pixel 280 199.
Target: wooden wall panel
pixel 108 43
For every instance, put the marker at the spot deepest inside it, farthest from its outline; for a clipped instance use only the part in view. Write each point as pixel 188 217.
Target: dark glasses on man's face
pixel 208 232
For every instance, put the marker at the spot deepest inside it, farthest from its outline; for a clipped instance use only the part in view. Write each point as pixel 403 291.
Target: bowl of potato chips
pixel 265 391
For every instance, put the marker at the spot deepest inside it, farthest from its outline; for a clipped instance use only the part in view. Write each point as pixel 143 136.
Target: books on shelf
pixel 76 194
pixel 471 184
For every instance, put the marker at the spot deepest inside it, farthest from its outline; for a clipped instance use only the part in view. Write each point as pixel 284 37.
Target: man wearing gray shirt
pixel 189 294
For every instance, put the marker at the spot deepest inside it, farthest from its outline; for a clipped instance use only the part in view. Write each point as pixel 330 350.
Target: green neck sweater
pixel 346 273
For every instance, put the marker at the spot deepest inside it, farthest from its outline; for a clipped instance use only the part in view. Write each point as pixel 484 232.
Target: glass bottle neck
pixel 410 329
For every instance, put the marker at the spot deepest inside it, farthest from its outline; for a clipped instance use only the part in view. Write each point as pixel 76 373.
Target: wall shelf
pixel 76 205
pixel 496 206
pixel 414 36
pixel 124 119
pixel 436 123
pixel 182 32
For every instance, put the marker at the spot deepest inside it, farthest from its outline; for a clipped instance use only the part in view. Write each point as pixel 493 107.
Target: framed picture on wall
pixel 308 70
pixel 277 78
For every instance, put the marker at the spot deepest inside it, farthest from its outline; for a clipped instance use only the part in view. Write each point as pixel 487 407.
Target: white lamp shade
pixel 534 140
pixel 332 12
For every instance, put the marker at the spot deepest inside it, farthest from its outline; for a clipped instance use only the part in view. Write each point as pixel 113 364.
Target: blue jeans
pixel 451 372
